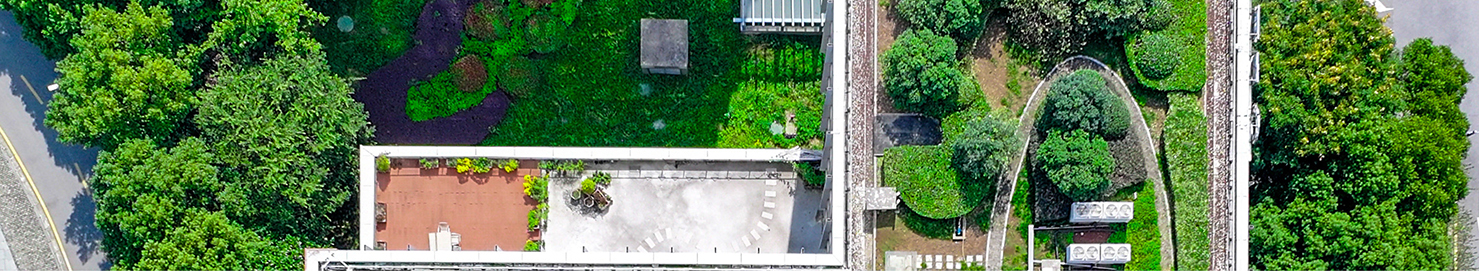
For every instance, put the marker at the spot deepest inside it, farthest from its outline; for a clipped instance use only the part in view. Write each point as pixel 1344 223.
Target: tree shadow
pixel 82 230
pixel 30 72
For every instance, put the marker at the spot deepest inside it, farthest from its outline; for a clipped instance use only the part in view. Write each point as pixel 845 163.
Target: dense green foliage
pixel 282 130
pixel 1157 57
pixel 1082 100
pixel 130 79
pixel 810 173
pixel 599 69
pixel 1077 161
pixel 1359 153
pixel 1058 28
pixel 784 61
pixel 382 31
pixel 919 73
pixel 925 226
pixel 927 183
pixel 51 24
pixel 254 30
pixel 1182 42
pixel 984 148
pixel 1141 233
pixel 439 97
pixel 957 18
pixel 1186 160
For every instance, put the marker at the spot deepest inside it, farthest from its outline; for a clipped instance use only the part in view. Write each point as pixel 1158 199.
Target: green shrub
pixel 1187 34
pixel 1079 163
pixel 532 245
pixel 1158 55
pixel 757 104
pixel 927 183
pixel 382 32
pixel 545 32
pixel 546 164
pixel 958 18
pixel 536 188
pixel 430 163
pixel 601 178
pixel 382 164
pixel 482 165
pixel 537 215
pixel 1082 100
pixel 440 97
pixel 588 186
pixel 509 165
pixel 1186 161
pixel 810 174
pixel 522 77
pixel 984 147
pixel 920 75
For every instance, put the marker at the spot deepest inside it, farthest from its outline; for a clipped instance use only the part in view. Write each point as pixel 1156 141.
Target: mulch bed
pixel 383 92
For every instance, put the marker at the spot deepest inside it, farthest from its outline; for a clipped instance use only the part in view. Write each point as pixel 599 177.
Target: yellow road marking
pixel 33 90
pixel 44 210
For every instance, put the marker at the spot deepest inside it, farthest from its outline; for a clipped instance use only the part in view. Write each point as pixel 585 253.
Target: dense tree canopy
pixel 142 191
pixel 1057 28
pixel 51 24
pixel 283 131
pixel 253 30
pixel 1077 161
pixel 984 147
pixel 1082 100
pixel 1358 163
pixel 957 18
pixel 920 75
pixel 210 241
pixel 129 79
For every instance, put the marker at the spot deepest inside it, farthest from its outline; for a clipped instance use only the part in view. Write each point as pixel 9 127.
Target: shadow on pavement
pixel 23 59
pixel 82 229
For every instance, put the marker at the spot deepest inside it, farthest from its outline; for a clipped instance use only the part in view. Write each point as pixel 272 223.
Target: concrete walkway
pixel 1002 206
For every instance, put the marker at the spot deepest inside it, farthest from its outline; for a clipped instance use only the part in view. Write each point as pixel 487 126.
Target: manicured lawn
pixel 927 183
pixel 595 94
pixel 1188 29
pixel 1141 233
pixel 382 31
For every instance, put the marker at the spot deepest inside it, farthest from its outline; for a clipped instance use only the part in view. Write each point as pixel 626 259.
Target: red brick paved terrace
pixel 486 209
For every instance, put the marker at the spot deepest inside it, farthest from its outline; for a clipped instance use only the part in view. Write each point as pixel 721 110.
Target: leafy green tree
pixel 1158 56
pixel 961 19
pixel 1077 161
pixel 920 75
pixel 142 190
pixel 1359 160
pixel 1057 28
pixel 984 147
pixel 210 241
pixel 51 24
pixel 1082 100
pixel 283 132
pixel 129 79
pixel 253 30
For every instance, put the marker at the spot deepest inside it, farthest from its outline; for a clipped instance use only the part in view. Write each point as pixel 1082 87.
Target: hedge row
pixel 1186 158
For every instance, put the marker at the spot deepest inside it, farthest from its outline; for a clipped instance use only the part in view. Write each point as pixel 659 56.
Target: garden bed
pixel 486 209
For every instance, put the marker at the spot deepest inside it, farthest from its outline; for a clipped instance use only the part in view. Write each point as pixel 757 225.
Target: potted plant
pixel 602 178
pixel 382 163
pixel 464 165
pixel 482 165
pixel 509 165
pixel 430 163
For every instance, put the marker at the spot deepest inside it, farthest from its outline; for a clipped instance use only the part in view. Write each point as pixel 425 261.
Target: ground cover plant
pixel 1141 233
pixel 382 31
pixel 1173 58
pixel 442 96
pixel 1360 165
pixel 927 183
pixel 1186 164
pixel 719 103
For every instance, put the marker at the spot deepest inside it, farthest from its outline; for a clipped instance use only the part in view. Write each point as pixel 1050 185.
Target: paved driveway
pixel 57 169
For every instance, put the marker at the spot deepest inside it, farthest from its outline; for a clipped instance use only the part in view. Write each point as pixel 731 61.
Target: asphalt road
pixel 1451 23
pixel 57 169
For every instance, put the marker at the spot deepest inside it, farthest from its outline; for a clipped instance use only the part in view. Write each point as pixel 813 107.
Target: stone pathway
pixel 945 262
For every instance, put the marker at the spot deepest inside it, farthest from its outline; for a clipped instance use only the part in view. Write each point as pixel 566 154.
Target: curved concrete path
pixel 1002 204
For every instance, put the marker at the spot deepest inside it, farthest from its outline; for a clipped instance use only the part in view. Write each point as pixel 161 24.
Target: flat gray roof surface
pixel 664 43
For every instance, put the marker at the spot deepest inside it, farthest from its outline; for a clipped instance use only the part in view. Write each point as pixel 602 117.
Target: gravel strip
pixel 862 85
pixel 1217 102
pixel 31 242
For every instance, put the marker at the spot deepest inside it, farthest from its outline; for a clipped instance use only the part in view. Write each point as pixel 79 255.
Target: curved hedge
pixel 927 183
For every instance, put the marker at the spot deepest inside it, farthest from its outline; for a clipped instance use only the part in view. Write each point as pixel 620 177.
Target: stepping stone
pixel 948 258
pixel 747 242
pixel 770 194
pixel 769 204
pixel 762 225
pixel 649 242
pixel 659 235
pixel 767 215
pixel 755 234
pixel 939 258
pixel 668 232
pixel 934 265
pixel 770 182
pixel 642 249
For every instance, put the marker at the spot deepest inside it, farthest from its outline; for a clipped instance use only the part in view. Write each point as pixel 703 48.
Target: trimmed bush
pixel 1082 100
pixel 1158 55
pixel 521 77
pixel 1079 163
pixel 927 183
pixel 545 32
pixel 1186 161
pixel 443 95
pixel 920 75
pixel 958 18
pixel 382 164
pixel 470 73
pixel 984 147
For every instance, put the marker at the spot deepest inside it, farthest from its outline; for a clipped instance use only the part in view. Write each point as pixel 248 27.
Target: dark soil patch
pixel 383 92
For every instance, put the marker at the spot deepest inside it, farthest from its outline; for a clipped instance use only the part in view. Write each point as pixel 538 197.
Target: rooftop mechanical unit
pixel 1098 253
pixel 1101 212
